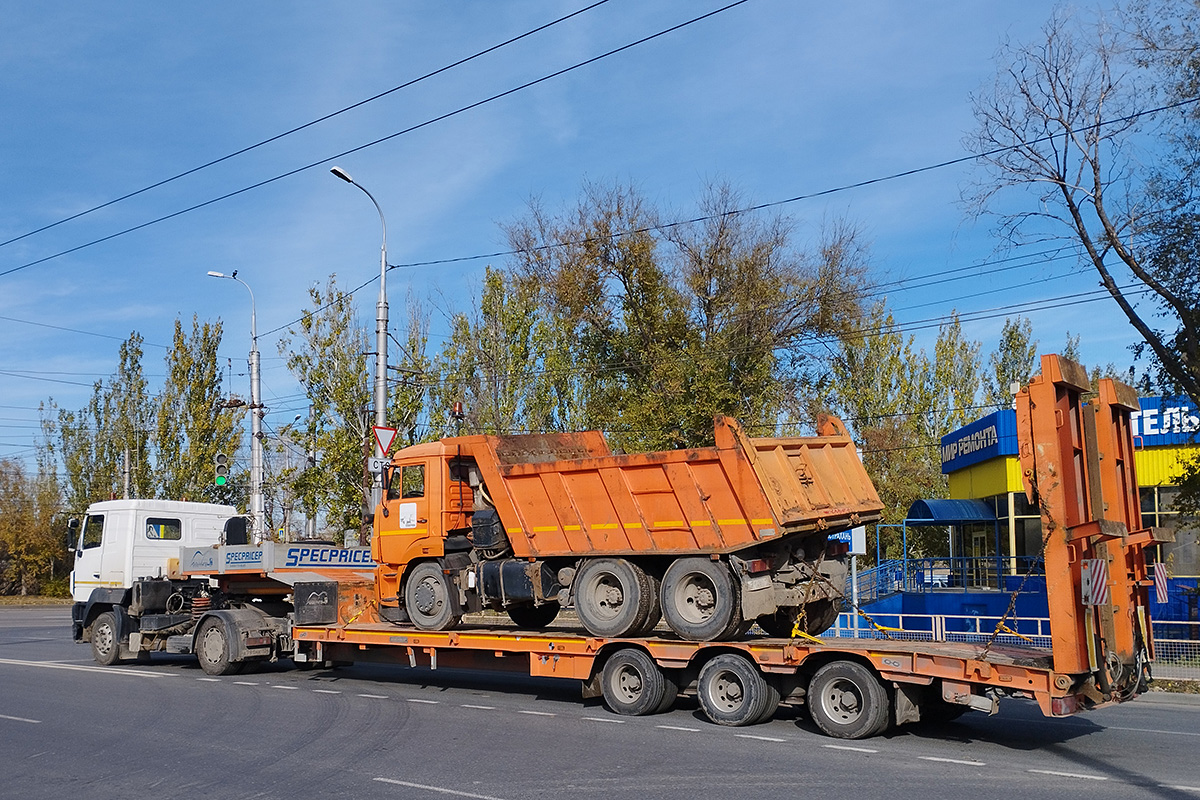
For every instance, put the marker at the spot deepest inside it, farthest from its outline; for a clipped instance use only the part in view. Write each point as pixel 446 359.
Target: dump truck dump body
pixel 706 500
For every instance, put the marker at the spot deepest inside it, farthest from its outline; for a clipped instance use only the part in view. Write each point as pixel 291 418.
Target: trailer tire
pixel 213 649
pixel 106 646
pixel 733 691
pixel 634 685
pixel 428 598
pixel 613 597
pixel 699 600
pixel 847 701
pixel 530 617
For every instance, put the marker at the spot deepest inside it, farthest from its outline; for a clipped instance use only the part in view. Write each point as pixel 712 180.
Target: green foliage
pixel 1013 361
pixel 192 427
pixel 326 352
pixel 899 404
pixel 507 363
pixel 660 329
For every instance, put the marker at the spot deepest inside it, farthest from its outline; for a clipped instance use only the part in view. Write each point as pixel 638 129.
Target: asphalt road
pixel 72 729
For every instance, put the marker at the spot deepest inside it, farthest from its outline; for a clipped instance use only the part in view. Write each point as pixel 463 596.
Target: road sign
pixel 376 465
pixel 384 437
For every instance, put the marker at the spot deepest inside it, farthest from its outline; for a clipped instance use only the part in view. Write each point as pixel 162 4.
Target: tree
pixel 327 353
pixel 497 362
pixel 1064 119
pixel 193 425
pixel 899 403
pixel 668 326
pixel 129 412
pixel 30 544
pixel 94 440
pixel 1013 361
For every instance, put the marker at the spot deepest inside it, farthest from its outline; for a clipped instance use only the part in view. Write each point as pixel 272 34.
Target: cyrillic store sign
pixel 1162 422
pixel 982 440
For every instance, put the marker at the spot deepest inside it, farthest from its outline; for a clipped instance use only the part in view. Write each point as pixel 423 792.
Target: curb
pixel 1169 699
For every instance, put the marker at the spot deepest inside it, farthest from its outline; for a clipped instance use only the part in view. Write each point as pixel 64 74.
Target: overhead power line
pixel 309 124
pixel 389 137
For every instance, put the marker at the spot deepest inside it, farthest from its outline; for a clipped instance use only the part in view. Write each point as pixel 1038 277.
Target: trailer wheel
pixel 105 647
pixel 699 600
pixel 212 648
pixel 531 617
pixel 847 701
pixel 427 598
pixel 635 686
pixel 613 597
pixel 732 691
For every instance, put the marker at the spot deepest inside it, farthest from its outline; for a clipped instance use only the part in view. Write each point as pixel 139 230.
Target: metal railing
pixel 928 574
pixel 1176 644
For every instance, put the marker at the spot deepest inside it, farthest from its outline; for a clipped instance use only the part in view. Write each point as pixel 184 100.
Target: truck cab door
pixel 405 532
pixel 85 576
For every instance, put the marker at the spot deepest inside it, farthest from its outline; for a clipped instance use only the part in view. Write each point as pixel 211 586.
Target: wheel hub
pixel 426 597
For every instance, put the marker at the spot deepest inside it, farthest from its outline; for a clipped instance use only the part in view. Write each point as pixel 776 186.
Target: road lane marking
pixel 677 728
pixel 1180 788
pixel 326 691
pixel 281 686
pixel 20 719
pixel 102 670
pixel 848 747
pixel 602 719
pixel 209 680
pixel 375 696
pixel 418 700
pixel 1151 730
pixel 481 708
pixel 245 683
pixel 759 738
pixel 439 789
pixel 953 761
pixel 1069 775
pixel 538 713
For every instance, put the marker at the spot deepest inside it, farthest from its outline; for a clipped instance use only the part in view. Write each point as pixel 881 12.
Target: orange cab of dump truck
pixel 711 539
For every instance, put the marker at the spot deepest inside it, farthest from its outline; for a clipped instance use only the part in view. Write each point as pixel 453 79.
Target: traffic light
pixel 221 466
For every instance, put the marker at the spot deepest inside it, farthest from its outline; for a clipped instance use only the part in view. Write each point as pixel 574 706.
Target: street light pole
pixel 381 335
pixel 257 512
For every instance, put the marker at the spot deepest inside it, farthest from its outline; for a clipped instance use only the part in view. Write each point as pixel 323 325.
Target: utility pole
pixel 381 336
pixel 257 510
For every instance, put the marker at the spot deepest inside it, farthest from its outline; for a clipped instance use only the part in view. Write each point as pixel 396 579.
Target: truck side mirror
pixel 386 478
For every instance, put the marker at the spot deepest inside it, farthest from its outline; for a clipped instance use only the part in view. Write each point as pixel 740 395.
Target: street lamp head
pixel 215 274
pixel 341 173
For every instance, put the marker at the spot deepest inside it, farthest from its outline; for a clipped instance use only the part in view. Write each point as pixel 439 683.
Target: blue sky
pixel 779 98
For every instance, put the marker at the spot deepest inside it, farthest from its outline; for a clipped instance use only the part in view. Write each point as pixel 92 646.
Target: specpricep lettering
pixel 328 556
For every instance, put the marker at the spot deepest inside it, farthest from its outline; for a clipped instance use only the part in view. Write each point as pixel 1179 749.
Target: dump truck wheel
pixel 105 647
pixel 613 597
pixel 427 598
pixel 634 685
pixel 847 701
pixel 699 600
pixel 819 617
pixel 533 617
pixel 654 616
pixel 732 691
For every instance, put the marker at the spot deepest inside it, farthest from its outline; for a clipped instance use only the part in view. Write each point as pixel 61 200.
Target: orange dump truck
pixel 709 539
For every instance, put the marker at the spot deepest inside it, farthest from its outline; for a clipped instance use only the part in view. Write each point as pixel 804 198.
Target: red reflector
pixel 758 565
pixel 1064 706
